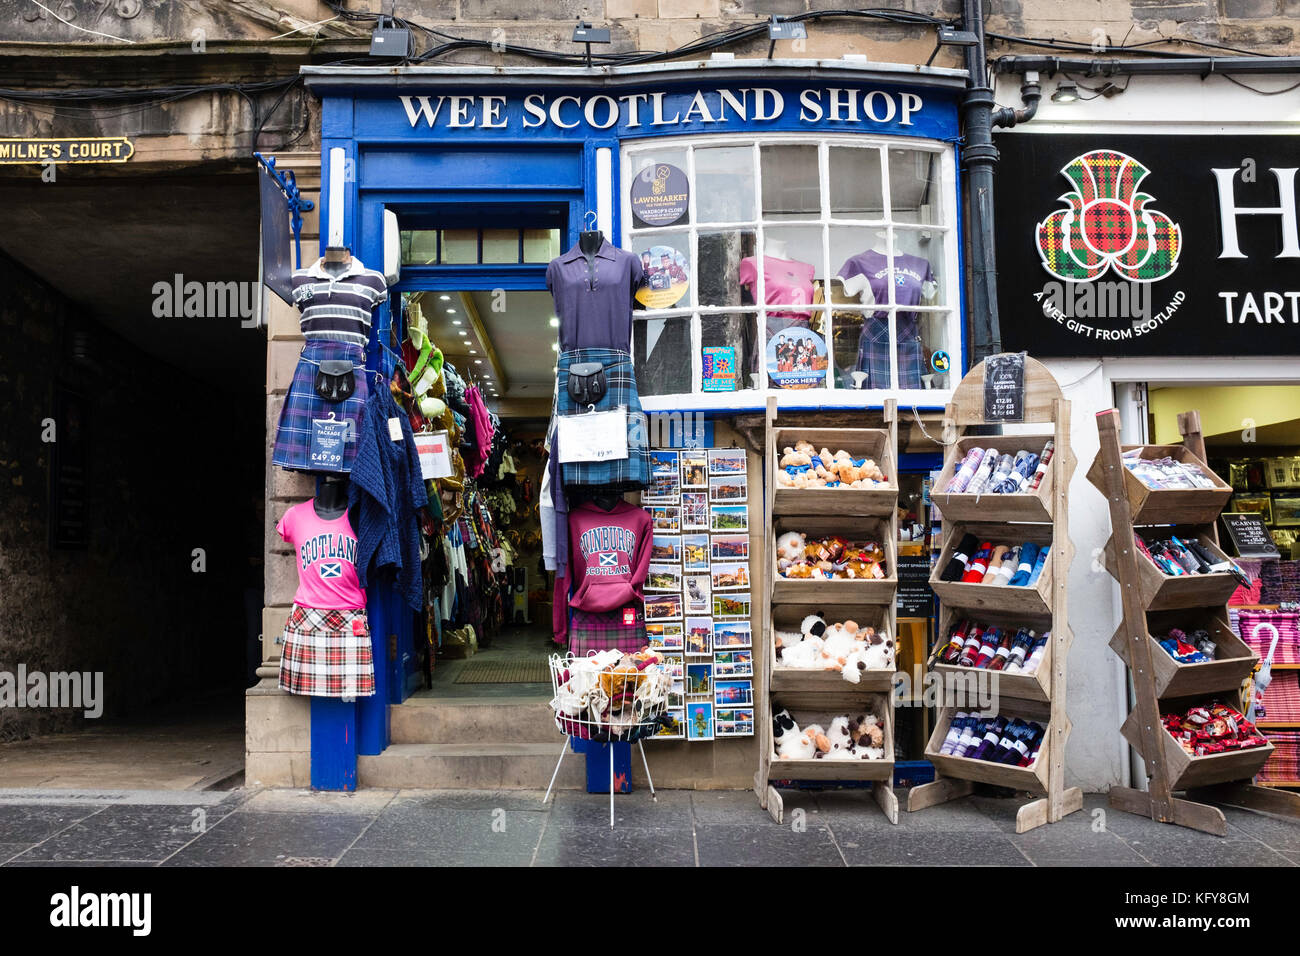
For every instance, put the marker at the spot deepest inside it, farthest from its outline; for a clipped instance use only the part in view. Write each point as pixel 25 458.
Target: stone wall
pixel 132 604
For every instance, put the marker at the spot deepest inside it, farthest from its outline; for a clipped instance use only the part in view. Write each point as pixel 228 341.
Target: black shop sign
pixel 1148 245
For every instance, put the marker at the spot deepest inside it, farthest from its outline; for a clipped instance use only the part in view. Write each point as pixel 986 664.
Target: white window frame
pixel 830 396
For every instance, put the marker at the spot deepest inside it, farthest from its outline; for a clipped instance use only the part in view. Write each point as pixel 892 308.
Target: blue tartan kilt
pixel 873 352
pixel 302 404
pixel 625 474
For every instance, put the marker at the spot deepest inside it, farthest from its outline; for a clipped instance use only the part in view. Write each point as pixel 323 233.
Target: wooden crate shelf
pixel 1233 659
pixel 873 443
pixel 1160 591
pixel 1149 506
pixel 855 529
pixel 1035 687
pixel 1035 600
pixel 819 708
pixel 1032 779
pixel 797 680
pixel 1033 506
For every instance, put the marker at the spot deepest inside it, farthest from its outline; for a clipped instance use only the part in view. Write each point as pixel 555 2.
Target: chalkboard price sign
pixel 1004 387
pixel 1250 536
pixel 914 594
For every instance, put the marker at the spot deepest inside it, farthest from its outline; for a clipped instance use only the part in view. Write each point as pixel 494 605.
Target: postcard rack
pixel 1150 606
pixel 814 696
pixel 1039 516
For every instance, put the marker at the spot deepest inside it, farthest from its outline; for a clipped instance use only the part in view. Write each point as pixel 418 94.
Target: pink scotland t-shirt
pixel 326 553
pixel 785 281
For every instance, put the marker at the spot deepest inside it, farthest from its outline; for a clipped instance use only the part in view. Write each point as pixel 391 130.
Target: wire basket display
pixel 609 696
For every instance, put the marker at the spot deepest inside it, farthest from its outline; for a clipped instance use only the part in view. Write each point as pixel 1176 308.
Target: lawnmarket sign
pixel 1158 245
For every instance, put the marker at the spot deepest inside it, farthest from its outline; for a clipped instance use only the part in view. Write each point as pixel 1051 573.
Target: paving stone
pixel 731 807
pixel 273 836
pixel 510 800
pixel 563 845
pixel 1052 845
pixel 314 801
pixel 672 808
pixel 19 861
pixel 474 836
pixel 1280 833
pixel 122 833
pixel 10 850
pixel 872 846
pixel 34 823
pixel 766 844
pixel 1220 853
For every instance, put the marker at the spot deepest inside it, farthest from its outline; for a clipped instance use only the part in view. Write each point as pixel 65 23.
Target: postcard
pixel 733 693
pixel 665 637
pixel 727 489
pixel 672 726
pixel 735 722
pixel 699 636
pixel 731 605
pixel 728 461
pixel 695 552
pixel 697 592
pixel 665 518
pixel 729 547
pixel 664 577
pixel 728 517
pixel 730 576
pixel 733 663
pixel 695 468
pixel 728 634
pixel 663 607
pixel 666 549
pixel 699 721
pixel 695 511
pixel 699 678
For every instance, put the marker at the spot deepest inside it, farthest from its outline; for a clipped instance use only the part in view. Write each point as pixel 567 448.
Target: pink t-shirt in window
pixel 326 553
pixel 786 281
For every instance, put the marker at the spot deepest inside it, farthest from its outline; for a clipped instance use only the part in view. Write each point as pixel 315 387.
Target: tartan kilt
pixel 873 352
pixel 324 657
pixel 605 630
pixel 302 404
pixel 624 474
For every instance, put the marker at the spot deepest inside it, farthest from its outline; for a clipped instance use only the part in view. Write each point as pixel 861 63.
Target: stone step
pixel 523 720
pixel 472 766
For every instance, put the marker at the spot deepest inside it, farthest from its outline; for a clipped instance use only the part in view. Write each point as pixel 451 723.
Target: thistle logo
pixel 1108 224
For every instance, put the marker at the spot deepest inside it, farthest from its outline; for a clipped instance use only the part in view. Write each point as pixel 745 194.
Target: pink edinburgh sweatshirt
pixel 609 558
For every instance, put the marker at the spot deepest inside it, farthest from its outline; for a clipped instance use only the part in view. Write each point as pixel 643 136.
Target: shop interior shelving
pixel 1038 516
pixel 814 696
pixel 1160 684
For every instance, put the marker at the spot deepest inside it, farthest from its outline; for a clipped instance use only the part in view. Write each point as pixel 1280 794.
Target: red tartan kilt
pixel 326 655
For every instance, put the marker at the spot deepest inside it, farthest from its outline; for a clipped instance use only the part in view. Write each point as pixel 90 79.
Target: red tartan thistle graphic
pixel 1108 224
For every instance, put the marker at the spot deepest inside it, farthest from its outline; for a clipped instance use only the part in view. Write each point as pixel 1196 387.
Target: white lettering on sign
pixel 634 110
pixel 1286 209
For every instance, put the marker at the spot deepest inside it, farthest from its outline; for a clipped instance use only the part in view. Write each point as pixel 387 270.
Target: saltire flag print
pixel 609 559
pixel 1108 224
pixel 331 569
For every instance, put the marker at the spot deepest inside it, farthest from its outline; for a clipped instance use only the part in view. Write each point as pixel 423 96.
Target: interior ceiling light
pixel 1065 93
pixel 451 311
pixel 555 323
pixel 455 321
pixel 477 361
pixel 445 298
pixel 555 346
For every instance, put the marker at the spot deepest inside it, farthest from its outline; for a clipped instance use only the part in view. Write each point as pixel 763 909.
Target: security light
pixel 1065 93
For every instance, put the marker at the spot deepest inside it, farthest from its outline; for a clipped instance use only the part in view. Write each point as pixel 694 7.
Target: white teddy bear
pixel 840 740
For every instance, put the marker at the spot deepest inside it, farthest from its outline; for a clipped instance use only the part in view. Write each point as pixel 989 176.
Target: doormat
pixel 504 672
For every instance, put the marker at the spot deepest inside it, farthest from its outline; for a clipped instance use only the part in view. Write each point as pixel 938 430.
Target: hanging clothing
pixel 546 512
pixel 609 558
pixel 594 631
pixel 337 308
pixel 594 302
pixel 326 550
pixel 870 276
pixel 388 489
pixel 327 653
pixel 621 474
pixel 302 405
pixel 785 282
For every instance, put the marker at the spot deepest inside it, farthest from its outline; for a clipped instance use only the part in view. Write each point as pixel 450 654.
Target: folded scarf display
pixel 956 566
pixel 1010 741
pixel 984 474
pixel 962 477
pixel 986 471
pixel 1019 474
pixel 978 565
pixel 1028 558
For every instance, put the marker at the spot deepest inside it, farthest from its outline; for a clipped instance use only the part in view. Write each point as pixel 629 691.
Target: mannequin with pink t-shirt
pixel 786 281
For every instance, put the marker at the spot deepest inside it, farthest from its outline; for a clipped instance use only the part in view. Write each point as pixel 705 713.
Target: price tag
pixel 395 429
pixel 328 437
pixel 1004 387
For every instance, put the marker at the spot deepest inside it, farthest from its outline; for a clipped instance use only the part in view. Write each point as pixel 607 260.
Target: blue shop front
pixel 798 230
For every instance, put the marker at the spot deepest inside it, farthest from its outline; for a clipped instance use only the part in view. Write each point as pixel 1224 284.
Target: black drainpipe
pixel 980 156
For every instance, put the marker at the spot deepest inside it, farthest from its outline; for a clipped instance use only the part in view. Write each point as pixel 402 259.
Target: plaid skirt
pixel 302 404
pixel 327 653
pixel 873 352
pixel 624 474
pixel 605 630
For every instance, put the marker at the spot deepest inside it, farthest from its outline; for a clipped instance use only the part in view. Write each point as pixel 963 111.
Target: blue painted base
pixel 333 744
pixel 598 765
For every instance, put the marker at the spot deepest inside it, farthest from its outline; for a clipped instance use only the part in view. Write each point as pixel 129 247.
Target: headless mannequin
pixel 606 502
pixel 331 499
pixel 336 260
pixel 776 249
pixel 590 242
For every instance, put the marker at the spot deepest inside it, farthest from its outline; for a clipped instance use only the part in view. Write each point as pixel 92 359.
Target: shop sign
pixel 1004 388
pixel 660 195
pixel 84 149
pixel 667 277
pixel 1148 245
pixel 796 358
pixel 1250 536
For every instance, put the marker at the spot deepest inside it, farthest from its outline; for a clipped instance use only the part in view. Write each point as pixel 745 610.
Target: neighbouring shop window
pixel 793 263
pixel 452 247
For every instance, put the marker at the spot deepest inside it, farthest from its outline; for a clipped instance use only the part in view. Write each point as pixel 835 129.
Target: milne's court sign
pixel 74 149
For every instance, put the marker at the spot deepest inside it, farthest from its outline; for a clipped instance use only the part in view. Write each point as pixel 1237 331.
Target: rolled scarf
pixel 1039 564
pixel 956 566
pixel 1019 475
pixel 980 482
pixel 995 562
pixel 1028 555
pixel 1044 460
pixel 962 477
pixel 979 564
pixel 1010 563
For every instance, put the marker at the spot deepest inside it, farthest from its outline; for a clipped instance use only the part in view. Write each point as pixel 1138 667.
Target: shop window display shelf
pixel 1160 684
pixel 858 515
pixel 1160 591
pixel 1042 518
pixel 996 597
pixel 954 678
pixel 1030 506
pixel 873 443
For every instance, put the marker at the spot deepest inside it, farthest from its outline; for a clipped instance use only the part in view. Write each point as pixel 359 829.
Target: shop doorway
pixel 493 636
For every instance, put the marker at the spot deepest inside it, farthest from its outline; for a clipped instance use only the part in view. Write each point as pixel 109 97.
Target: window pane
pixel 857 190
pixel 731 337
pixel 918 259
pixel 792 266
pixel 846 325
pixel 724 184
pixel 659 348
pixel 649 168
pixel 419 247
pixel 668 269
pixel 937 369
pixel 500 245
pixel 459 246
pixel 913 186
pixel 791 187
pixel 794 355
pixel 541 245
pixel 720 256
pixel 859 253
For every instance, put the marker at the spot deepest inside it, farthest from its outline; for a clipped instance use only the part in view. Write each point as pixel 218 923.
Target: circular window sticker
pixel 666 277
pixel 660 195
pixel 796 358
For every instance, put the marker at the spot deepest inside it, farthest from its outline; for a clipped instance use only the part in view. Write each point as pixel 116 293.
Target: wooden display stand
pixel 1152 604
pixel 814 696
pixel 1038 516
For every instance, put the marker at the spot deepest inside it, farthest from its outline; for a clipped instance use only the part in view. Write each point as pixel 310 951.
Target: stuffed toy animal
pixel 841 742
pixel 837 644
pixel 868 737
pixel 791 743
pixel 784 640
pixel 821 743
pixel 783 726
pixel 806 655
pixel 813 625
